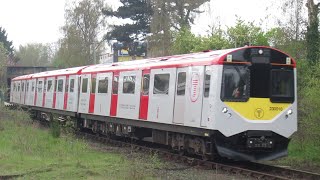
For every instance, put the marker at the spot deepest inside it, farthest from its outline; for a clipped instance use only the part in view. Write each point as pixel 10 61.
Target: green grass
pixel 36 154
pixel 302 154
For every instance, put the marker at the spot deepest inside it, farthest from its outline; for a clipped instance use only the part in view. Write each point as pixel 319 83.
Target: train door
pixel 26 98
pixel 18 94
pixel 39 94
pixel 144 97
pixel 84 97
pixel 129 94
pixel 32 97
pixel 206 93
pixel 23 92
pixel 180 96
pixel 161 96
pixel 66 93
pixel 44 92
pixel 114 96
pixel 103 94
pixel 194 93
pixel 60 92
pixel 73 93
pixel 49 92
pixel 92 97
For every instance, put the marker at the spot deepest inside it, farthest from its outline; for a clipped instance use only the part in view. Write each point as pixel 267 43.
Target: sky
pixel 39 21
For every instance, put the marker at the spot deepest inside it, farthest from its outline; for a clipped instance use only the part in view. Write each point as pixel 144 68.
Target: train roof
pixel 240 55
pixel 59 72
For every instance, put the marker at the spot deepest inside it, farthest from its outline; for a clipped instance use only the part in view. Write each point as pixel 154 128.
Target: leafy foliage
pixel 244 33
pixel 35 54
pixel 84 22
pixel 169 17
pixel 5 42
pixel 138 11
pixel 3 63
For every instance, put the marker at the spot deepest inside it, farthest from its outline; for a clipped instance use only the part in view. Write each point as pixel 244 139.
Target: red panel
pixel 92 95
pixel 114 97
pixel 44 93
pixel 65 100
pixel 91 102
pixel 114 104
pixel 144 100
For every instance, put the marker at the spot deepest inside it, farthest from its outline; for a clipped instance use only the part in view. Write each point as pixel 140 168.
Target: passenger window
pixel 161 84
pixel 181 84
pixel 207 84
pixel 27 88
pixel 93 85
pixel 60 85
pixel 103 85
pixel 146 84
pixel 18 87
pixel 49 89
pixel 129 84
pixel 115 85
pixel 72 85
pixel 40 86
pixel 84 85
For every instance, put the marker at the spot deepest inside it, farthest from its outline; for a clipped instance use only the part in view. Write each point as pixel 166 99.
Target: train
pixel 236 103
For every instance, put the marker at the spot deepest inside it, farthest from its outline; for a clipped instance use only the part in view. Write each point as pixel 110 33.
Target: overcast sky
pixel 39 21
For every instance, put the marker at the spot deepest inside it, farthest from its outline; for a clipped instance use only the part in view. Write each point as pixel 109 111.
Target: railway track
pixel 244 169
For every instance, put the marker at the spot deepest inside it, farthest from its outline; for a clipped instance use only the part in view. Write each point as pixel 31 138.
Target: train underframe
pixel 245 146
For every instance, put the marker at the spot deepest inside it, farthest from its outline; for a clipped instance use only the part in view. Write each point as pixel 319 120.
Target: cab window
pixel 235 82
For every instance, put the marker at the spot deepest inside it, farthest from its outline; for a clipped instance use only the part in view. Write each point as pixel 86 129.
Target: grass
pixel 34 153
pixel 302 154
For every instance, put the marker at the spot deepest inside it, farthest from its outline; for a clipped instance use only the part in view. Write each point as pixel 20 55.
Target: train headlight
pixel 225 110
pixel 289 113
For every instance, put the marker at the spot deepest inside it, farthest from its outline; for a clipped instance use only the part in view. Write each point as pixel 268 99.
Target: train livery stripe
pixel 91 102
pixel 258 108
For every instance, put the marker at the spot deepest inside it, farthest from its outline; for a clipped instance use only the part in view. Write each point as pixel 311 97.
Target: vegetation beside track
pixel 33 153
pixel 29 151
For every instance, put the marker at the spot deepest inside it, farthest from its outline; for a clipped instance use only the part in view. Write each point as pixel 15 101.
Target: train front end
pixel 257 106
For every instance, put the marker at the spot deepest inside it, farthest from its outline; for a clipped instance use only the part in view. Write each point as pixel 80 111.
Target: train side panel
pixel 103 94
pixel 129 94
pixel 73 92
pixel 161 96
pixel 49 92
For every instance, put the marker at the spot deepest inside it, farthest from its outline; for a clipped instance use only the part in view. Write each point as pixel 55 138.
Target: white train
pixel 237 103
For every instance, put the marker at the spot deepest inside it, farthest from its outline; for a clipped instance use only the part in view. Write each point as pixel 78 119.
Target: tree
pixel 3 63
pixel 312 36
pixel 170 16
pixel 139 12
pixel 5 42
pixel 246 33
pixel 84 23
pixel 293 24
pixel 185 41
pixel 36 54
